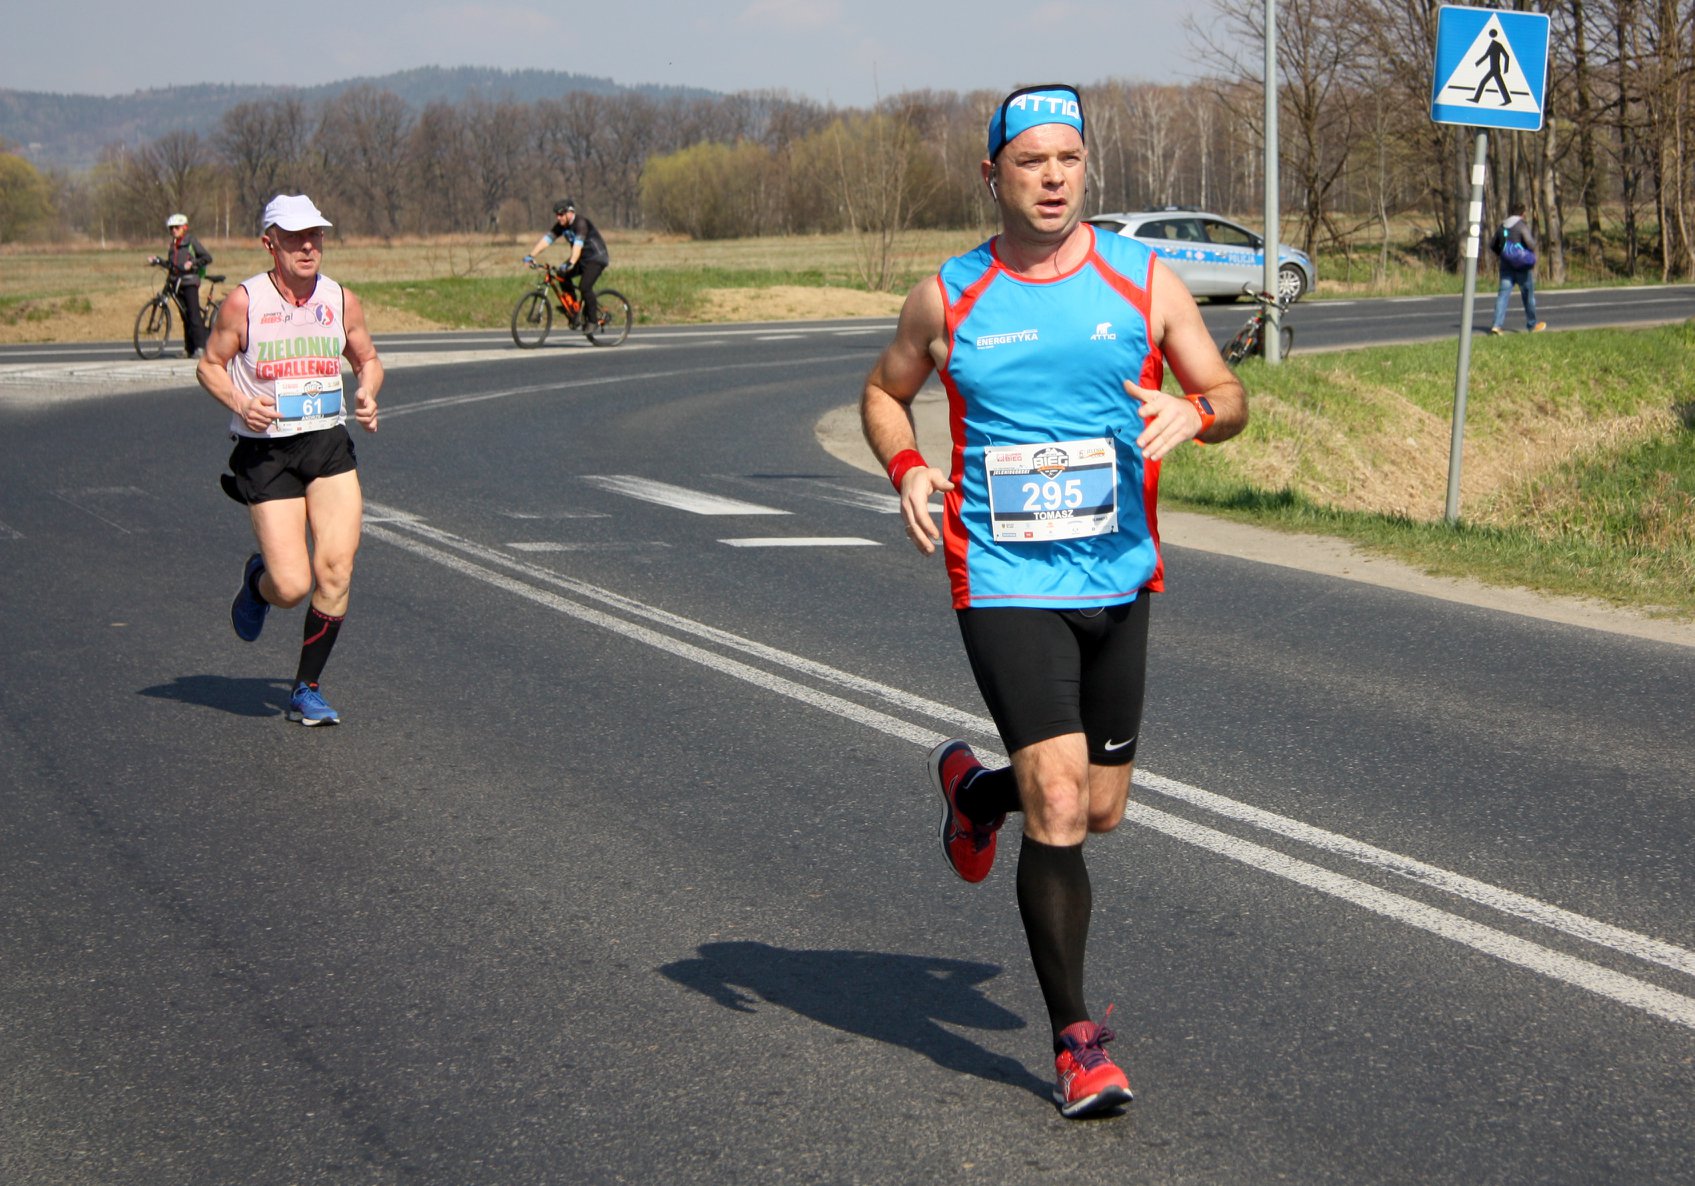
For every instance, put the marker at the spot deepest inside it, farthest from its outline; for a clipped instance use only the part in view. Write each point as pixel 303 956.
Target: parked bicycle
pixel 532 316
pixel 1250 339
pixel 153 323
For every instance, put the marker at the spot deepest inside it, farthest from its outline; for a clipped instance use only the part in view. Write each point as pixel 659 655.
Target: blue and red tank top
pixel 1053 505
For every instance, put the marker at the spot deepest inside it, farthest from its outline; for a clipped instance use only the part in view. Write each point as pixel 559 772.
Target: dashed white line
pixel 801 541
pixel 677 497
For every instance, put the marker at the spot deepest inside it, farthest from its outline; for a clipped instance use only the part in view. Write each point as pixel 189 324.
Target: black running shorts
pixel 1045 673
pixel 267 468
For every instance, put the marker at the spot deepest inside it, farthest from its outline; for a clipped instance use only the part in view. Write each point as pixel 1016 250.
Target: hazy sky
pixel 835 51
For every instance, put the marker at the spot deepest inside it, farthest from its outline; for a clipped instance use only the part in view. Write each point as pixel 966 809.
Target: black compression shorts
pixel 1045 673
pixel 267 468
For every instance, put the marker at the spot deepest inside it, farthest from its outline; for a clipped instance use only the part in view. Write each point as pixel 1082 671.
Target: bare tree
pixel 262 146
pixel 441 160
pixel 1160 116
pixel 880 176
pixel 500 142
pixel 362 135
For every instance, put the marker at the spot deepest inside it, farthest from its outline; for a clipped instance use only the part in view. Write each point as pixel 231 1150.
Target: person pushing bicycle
pixel 588 260
pixel 185 260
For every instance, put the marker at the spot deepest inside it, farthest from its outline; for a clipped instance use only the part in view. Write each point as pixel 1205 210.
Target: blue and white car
pixel 1213 256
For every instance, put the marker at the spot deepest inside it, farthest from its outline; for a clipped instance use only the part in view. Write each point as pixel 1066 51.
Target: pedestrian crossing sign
pixel 1491 68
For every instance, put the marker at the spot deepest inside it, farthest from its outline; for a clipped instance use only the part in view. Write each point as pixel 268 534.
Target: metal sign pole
pixel 1271 340
pixel 1473 236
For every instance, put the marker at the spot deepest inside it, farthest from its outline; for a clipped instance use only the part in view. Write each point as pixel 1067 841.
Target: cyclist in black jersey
pixel 588 254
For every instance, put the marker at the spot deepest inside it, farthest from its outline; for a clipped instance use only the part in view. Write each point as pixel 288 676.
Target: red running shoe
pixel 1089 1081
pixel 968 845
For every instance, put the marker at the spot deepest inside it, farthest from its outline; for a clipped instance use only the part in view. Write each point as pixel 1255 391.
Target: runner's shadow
pixel 238 697
pixel 897 999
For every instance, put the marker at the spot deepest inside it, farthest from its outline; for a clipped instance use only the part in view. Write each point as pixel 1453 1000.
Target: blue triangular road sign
pixel 1491 68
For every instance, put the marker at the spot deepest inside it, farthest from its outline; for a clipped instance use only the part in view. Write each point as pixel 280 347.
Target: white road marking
pixel 694 501
pixel 1505 901
pixel 1626 990
pixel 847 496
pixel 1579 973
pixel 553 515
pixel 801 541
pixel 606 546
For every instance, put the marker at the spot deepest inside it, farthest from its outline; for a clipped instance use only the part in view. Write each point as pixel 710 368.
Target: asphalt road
pixel 623 865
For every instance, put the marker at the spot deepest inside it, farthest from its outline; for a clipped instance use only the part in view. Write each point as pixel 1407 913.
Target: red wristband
pixel 1203 405
pixel 903 461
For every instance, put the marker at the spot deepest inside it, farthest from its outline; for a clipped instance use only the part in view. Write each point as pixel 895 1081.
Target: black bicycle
pixel 532 317
pixel 153 323
pixel 1250 339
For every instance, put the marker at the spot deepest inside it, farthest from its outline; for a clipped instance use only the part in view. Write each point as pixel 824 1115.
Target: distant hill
pixel 69 131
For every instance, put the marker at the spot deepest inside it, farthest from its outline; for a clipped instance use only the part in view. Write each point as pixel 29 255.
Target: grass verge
pixel 1578 469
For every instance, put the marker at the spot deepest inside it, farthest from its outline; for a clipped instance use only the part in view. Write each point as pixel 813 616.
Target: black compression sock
pixel 991 794
pixel 315 647
pixel 1054 900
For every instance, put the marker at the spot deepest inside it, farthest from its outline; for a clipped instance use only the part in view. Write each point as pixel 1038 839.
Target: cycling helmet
pixel 563 204
pixel 176 220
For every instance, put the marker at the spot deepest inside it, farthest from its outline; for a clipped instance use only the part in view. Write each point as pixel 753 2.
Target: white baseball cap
pixel 292 212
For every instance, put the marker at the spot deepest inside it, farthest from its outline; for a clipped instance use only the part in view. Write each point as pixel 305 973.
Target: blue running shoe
pixel 248 610
pixel 309 708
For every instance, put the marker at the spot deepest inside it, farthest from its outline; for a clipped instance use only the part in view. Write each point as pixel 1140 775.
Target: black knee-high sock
pixel 992 793
pixel 1054 900
pixel 315 647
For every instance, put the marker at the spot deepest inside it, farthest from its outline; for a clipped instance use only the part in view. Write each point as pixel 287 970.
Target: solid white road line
pixel 1626 990
pixel 1588 929
pixel 1580 973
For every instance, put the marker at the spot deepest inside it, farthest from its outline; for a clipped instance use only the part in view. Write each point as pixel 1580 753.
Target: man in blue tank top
pixel 1052 342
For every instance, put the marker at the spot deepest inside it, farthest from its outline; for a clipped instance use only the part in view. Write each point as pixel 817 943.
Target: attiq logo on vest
pixel 990 341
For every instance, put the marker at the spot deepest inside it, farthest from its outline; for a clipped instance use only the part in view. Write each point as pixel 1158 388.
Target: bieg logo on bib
pixel 1050 463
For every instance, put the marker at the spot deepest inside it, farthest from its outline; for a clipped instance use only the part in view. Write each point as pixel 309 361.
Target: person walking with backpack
pixel 1516 246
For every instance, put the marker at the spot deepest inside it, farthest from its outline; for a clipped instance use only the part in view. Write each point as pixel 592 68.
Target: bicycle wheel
pixel 612 325
pixel 532 318
pixel 152 328
pixel 1243 344
pixel 212 313
pixel 1285 341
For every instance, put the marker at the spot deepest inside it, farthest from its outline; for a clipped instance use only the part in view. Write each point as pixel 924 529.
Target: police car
pixel 1213 256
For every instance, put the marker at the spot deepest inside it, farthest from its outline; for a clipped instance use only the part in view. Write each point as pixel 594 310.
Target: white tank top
pixel 293 355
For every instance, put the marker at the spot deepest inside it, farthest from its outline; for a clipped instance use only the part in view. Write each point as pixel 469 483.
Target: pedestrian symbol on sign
pixel 1499 59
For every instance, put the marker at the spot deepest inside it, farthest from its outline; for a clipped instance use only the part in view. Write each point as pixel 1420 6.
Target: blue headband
pixel 1032 106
